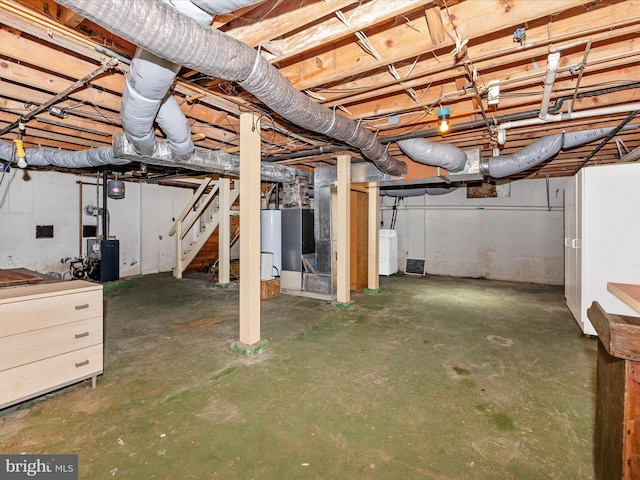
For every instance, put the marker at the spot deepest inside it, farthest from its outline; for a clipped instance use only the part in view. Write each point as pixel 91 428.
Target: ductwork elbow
pixel 435 154
pixel 537 152
pixel 146 98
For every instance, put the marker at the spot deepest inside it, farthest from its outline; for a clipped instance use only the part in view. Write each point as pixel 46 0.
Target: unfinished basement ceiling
pixel 388 64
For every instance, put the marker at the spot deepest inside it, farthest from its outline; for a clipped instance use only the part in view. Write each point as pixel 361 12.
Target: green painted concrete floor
pixel 433 378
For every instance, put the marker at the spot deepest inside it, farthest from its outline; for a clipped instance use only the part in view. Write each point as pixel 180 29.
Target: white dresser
pixel 51 335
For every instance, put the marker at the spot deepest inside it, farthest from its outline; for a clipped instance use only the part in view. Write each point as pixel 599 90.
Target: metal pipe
pixel 472 207
pixel 105 224
pixel 59 96
pixel 582 67
pixel 79 219
pixel 511 117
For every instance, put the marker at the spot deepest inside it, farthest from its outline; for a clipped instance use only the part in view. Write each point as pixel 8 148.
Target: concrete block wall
pixel 140 221
pixel 514 238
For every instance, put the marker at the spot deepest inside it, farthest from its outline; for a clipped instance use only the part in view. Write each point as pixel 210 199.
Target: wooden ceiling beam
pixel 272 20
pixel 16 106
pixel 400 42
pixel 40 129
pixel 68 17
pixel 43 80
pixel 490 55
pixel 362 17
pixel 54 60
pixel 512 95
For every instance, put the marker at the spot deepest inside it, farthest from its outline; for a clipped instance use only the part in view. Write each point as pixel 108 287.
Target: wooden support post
pixel 224 231
pixel 373 280
pixel 343 230
pixel 177 270
pixel 250 228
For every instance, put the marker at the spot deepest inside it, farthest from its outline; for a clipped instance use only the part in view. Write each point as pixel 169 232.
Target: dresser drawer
pixel 33 314
pixel 40 377
pixel 35 345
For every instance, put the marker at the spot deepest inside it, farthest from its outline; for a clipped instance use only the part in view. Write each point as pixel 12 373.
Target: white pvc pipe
pixel 630 107
pixel 553 62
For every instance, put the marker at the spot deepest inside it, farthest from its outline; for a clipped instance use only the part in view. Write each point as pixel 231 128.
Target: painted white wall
pixel 140 221
pixel 513 238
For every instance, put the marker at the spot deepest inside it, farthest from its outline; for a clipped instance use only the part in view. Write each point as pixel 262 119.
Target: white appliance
pixel 271 237
pixel 387 252
pixel 602 235
pixel 266 266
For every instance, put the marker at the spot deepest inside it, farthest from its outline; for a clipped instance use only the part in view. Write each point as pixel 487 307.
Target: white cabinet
pixel 51 335
pixel 602 235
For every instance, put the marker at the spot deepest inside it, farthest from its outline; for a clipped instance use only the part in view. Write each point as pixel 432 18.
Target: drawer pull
pixel 82 307
pixel 80 335
pixel 82 364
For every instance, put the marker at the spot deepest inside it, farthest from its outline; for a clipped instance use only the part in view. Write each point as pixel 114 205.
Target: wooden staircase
pixel 201 221
pixel 207 256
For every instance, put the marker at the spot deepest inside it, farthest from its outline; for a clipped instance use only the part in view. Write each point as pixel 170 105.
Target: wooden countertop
pixel 627 292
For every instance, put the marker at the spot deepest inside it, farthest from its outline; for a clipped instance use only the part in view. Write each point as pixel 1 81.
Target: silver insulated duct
pixel 165 32
pixel 435 154
pixel 39 157
pixel 146 98
pixel 541 150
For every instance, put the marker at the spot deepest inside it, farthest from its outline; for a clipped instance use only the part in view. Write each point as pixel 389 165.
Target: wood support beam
pixel 343 233
pixel 373 279
pixel 250 228
pixel 224 231
pixel 436 27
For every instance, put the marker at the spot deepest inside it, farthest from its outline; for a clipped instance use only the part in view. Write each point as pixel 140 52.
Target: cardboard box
pixel 269 288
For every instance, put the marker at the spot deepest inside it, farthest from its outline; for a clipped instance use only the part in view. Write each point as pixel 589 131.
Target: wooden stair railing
pixel 199 208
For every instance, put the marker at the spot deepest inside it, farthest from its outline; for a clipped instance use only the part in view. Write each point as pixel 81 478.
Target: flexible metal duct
pixel 165 32
pixel 435 154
